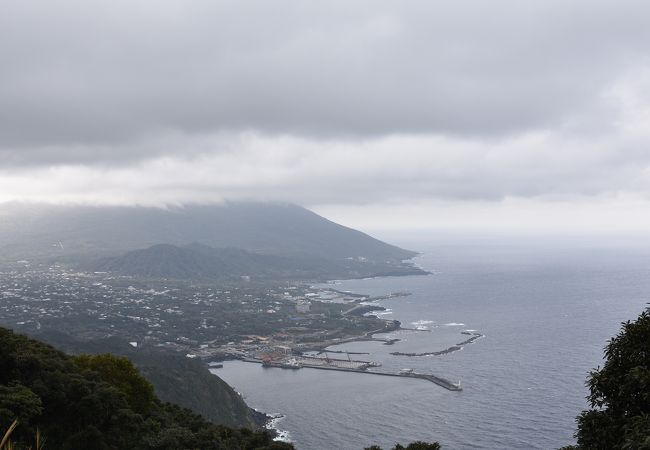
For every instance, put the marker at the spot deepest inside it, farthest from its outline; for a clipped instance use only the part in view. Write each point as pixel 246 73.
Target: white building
pixel 302 307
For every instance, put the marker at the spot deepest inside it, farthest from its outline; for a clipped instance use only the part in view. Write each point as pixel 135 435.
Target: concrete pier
pixel 442 382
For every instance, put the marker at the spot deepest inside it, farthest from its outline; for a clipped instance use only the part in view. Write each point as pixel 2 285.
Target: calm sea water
pixel 546 309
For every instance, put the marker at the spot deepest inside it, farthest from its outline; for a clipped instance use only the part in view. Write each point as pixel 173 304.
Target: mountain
pixel 267 228
pixel 99 402
pixel 85 233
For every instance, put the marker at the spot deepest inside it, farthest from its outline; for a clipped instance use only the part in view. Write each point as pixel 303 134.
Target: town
pixel 238 319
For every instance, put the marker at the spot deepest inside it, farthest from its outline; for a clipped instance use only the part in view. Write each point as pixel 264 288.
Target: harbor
pixel 346 365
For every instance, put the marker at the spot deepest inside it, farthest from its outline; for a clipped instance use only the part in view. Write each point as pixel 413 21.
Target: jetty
pixel 341 365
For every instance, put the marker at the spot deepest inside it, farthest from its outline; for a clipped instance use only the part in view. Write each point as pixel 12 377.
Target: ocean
pixel 546 308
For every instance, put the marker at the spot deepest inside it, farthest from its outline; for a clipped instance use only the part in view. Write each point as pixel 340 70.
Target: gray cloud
pixel 394 170
pixel 453 112
pixel 115 81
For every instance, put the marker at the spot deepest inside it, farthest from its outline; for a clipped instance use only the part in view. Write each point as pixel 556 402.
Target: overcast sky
pixel 381 115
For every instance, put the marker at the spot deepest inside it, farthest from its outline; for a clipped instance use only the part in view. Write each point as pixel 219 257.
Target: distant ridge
pixel 198 261
pixel 83 234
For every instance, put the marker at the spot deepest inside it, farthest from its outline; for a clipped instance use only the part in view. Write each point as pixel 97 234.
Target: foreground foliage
pixel 99 402
pixel 619 417
pixel 7 444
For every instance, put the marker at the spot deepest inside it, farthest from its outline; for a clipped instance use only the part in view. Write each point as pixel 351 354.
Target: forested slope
pixel 99 402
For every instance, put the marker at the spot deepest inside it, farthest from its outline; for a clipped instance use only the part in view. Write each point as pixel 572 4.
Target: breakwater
pixel 453 348
pixel 442 382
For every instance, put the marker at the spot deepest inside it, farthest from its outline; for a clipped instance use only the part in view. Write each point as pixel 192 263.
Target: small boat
pixel 406 371
pixel 288 364
pixel 292 364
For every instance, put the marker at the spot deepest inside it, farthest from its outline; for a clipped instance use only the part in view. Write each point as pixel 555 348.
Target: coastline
pixel 362 305
pixel 270 421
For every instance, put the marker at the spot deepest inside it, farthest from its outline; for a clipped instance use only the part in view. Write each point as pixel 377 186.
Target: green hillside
pixel 175 378
pixel 99 402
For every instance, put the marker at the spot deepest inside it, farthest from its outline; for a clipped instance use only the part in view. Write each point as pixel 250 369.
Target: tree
pixel 619 417
pixel 121 373
pixel 18 402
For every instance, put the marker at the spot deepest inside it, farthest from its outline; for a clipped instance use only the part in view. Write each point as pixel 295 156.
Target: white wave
pixel 281 435
pixel 422 322
pixel 454 324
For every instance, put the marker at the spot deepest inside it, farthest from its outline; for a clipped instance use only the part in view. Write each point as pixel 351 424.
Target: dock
pixel 357 367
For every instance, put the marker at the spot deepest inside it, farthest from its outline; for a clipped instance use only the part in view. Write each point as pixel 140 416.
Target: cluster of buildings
pixel 200 319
